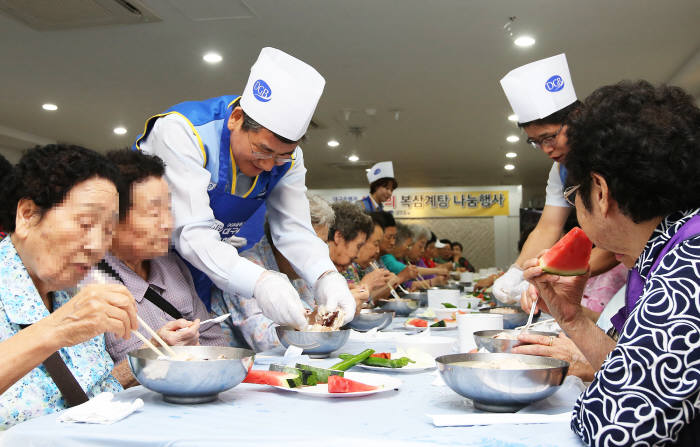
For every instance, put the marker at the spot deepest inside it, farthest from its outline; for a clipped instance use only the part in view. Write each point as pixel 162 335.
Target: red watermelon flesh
pixel 337 384
pixel 569 256
pixel 274 378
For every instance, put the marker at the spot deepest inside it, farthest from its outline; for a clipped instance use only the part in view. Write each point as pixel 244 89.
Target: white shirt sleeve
pixel 555 189
pixel 290 225
pixel 194 237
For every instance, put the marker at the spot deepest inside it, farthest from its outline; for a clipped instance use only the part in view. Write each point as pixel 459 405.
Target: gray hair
pixel 402 233
pixel 350 220
pixel 419 232
pixel 321 211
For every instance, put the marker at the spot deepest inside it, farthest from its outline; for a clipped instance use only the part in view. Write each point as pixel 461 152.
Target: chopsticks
pixel 548 320
pixel 389 284
pixel 100 278
pixel 420 277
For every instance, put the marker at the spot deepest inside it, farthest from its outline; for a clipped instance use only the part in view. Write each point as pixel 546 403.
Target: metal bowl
pixel 513 320
pixel 484 339
pixel 371 318
pixel 194 381
pixel 502 390
pixel 401 307
pixel 420 297
pixel 315 344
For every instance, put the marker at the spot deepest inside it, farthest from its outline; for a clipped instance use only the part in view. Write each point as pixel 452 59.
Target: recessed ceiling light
pixel 333 143
pixel 509 167
pixel 524 41
pixel 512 138
pixel 119 130
pixel 212 58
pixel 353 158
pixel 511 154
pixel 50 107
pixel 513 118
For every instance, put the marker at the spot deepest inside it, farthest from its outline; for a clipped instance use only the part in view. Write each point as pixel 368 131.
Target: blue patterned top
pixel 647 390
pixel 247 326
pixel 35 394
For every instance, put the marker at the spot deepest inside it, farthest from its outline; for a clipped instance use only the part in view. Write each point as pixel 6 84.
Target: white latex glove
pixel 509 287
pixel 236 241
pixel 332 291
pixel 279 300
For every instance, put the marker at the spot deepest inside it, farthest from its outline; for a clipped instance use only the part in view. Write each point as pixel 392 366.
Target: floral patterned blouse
pixel 247 326
pixel 35 394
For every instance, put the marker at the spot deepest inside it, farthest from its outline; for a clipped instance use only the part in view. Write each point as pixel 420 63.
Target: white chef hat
pixel 440 244
pixel 540 88
pixel 383 169
pixel 282 93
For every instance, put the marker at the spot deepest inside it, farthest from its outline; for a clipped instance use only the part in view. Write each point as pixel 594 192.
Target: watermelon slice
pixel 337 384
pixel 320 374
pixel 274 378
pixel 417 322
pixel 569 256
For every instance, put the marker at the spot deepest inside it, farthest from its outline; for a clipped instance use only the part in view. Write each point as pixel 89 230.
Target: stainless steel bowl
pixel 193 381
pixel 513 320
pixel 315 344
pixel 402 307
pixel 502 390
pixel 484 339
pixel 369 319
pixel 420 297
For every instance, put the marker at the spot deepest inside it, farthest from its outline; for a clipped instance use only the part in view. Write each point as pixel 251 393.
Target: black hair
pixel 432 239
pixel 134 167
pixel 559 117
pixel 644 141
pixel 446 241
pixel 350 221
pixel 5 168
pixel 385 219
pixel 376 218
pixel 45 175
pixel 386 181
pixel 452 245
pixel 249 124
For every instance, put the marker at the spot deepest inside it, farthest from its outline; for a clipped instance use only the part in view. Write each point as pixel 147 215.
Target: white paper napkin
pixel 456 420
pixel 101 409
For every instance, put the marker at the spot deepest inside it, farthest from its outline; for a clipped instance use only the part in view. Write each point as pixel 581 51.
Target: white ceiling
pixel 436 61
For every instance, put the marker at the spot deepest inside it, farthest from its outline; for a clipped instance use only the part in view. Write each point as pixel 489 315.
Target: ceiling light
pixel 212 58
pixel 512 138
pixel 353 158
pixel 119 130
pixel 524 41
pixel 509 167
pixel 511 154
pixel 513 118
pixel 333 143
pixel 50 107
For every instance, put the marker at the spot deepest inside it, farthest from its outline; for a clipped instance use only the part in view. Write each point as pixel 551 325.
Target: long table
pixel 260 415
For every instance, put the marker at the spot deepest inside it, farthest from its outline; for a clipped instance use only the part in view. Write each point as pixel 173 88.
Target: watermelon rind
pixel 321 374
pixel 554 271
pixel 307 377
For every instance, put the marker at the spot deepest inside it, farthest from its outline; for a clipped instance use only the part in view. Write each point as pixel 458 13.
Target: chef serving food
pixel 542 95
pixel 229 156
pixel 381 186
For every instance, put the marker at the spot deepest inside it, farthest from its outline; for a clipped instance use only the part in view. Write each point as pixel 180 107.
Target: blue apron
pixel 241 216
pixel 369 206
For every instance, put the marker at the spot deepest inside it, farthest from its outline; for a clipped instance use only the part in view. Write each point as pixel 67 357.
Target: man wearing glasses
pixel 542 95
pixel 226 158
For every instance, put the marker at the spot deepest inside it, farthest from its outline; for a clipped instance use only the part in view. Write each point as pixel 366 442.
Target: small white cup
pixel 467 324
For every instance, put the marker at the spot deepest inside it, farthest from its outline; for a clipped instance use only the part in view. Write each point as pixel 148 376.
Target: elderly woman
pixel 634 168
pixel 247 326
pixel 432 276
pixel 60 207
pixel 159 281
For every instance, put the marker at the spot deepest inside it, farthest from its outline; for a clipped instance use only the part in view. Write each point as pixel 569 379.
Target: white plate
pixel 410 368
pixel 386 383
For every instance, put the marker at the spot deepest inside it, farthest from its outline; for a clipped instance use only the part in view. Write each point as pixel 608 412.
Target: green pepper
pixel 383 363
pixel 352 361
pixel 449 305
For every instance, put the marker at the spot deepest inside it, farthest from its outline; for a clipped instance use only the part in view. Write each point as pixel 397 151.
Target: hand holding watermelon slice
pixel 567 265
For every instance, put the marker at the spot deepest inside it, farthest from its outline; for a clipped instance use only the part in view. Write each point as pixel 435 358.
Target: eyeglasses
pixel 539 143
pixel 570 194
pixel 279 159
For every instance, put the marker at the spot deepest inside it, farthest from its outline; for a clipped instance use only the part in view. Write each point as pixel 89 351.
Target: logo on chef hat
pixel 554 84
pixel 262 91
pixel 377 171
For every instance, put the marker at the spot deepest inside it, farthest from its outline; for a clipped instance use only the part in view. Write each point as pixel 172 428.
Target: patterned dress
pixel 647 391
pixel 36 394
pixel 248 327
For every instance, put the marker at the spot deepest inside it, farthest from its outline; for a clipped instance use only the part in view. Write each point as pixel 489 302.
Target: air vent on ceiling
pixel 50 15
